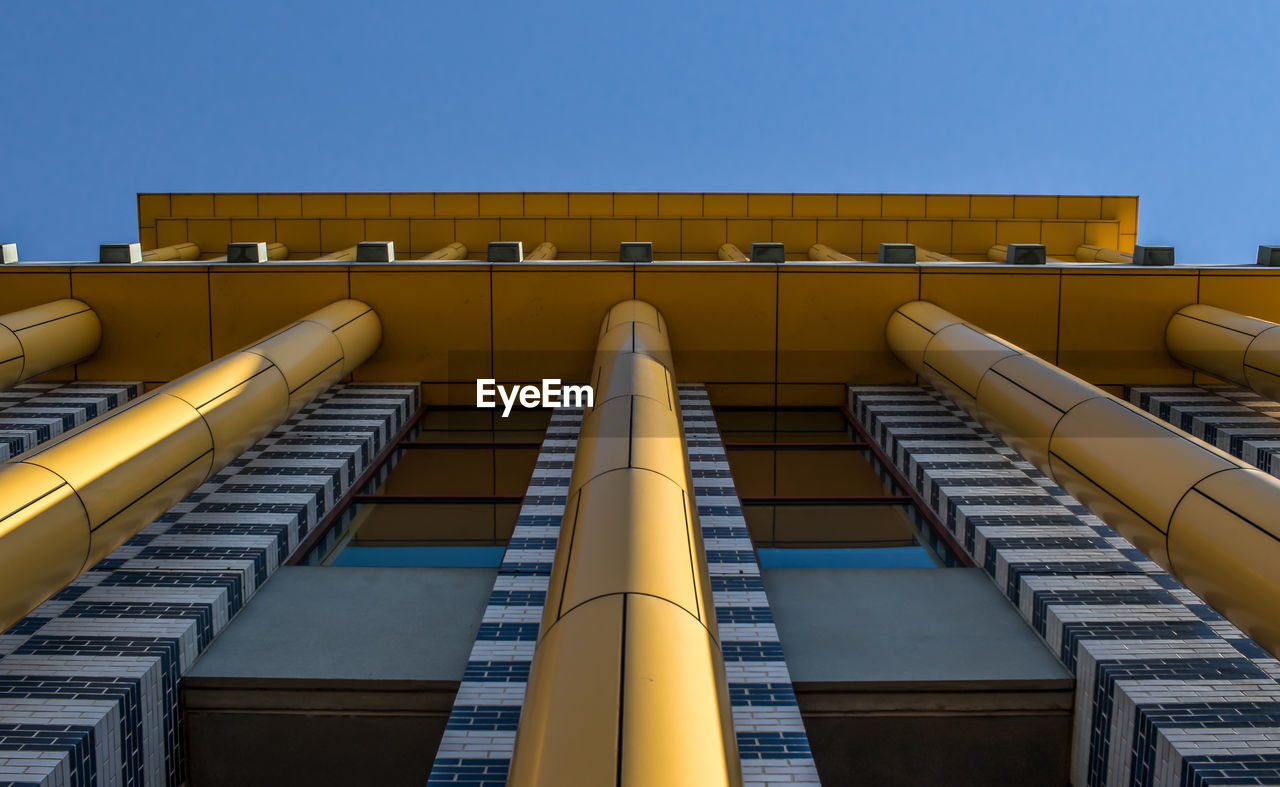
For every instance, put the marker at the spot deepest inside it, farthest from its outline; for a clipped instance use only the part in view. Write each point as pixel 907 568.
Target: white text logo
pixel 550 394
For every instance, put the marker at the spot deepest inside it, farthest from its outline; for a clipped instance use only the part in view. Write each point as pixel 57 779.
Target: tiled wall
pixel 1168 692
pixel 591 225
pixel 477 745
pixel 89 680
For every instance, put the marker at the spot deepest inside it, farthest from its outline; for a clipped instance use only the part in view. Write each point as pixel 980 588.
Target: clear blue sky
pixel 1177 102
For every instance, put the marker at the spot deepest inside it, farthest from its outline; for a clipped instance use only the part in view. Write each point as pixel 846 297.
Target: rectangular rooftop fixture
pixel 120 252
pixel 376 251
pixel 506 251
pixel 897 253
pixel 8 253
pixel 1267 255
pixel 768 252
pixel 1152 255
pixel 247 252
pixel 635 251
pixel 1025 254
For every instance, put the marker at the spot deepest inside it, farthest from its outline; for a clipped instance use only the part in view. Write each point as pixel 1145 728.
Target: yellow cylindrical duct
pixel 823 253
pixel 1212 520
pixel 348 253
pixel 68 503
pixel 1230 346
pixel 925 255
pixel 178 251
pixel 454 251
pixel 627 685
pixel 731 253
pixel 544 251
pixel 1089 253
pixel 45 337
pixel 277 251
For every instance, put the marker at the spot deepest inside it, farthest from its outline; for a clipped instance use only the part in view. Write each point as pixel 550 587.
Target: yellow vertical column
pixel 627 685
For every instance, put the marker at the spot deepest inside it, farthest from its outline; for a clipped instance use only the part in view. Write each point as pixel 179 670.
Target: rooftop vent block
pixel 8 253
pixel 120 252
pixel 1152 255
pixel 635 251
pixel 246 252
pixel 1267 255
pixel 375 251
pixel 1025 254
pixel 506 251
pixel 897 253
pixel 768 252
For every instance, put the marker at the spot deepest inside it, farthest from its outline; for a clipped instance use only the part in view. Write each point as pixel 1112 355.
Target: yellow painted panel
pixel 1125 209
pixel 699 238
pixel 1102 233
pixel 281 205
pixel 591 203
pixel 1061 238
pixel 813 205
pixel 743 232
pixel 501 204
pixel 301 236
pixel 769 205
pixel 571 236
pixel 171 341
pixel 729 338
pixel 147 237
pixel 843 235
pixel 1079 207
pixel 724 205
pixel 151 207
pixel 249 304
pixel 457 204
pixel 530 232
pixel 972 237
pixel 375 205
pixel 22 289
pixel 946 206
pixel 932 234
pixel 1113 324
pixel 338 234
pixel 324 205
pixel 1019 307
pixel 414 206
pixel 902 205
pixel 632 204
pixel 858 205
pixel 831 325
pixel 171 231
pixel 187 205
pixel 1251 293
pixel 209 234
pixel 991 206
pixel 250 231
pixel 475 234
pixel 1127 243
pixel 606 234
pixel 818 394
pixel 796 234
pixel 435 324
pixel 877 231
pixel 664 234
pixel 546 322
pixel 752 394
pixel 427 235
pixel 674 204
pixel 543 203
pixel 240 205
pixel 1035 207
pixel 1018 231
pixel 395 230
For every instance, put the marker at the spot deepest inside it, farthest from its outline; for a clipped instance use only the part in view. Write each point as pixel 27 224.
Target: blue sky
pixel 1174 101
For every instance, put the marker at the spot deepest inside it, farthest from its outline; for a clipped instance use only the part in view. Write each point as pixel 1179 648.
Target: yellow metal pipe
pixel 627 684
pixel 178 251
pixel 924 255
pixel 67 504
pixel 1101 254
pixel 823 253
pixel 1212 520
pixel 1229 346
pixel 45 337
pixel 348 253
pixel 454 251
pixel 731 253
pixel 544 251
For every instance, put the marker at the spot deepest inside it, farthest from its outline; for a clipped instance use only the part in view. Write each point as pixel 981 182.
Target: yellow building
pixel 875 488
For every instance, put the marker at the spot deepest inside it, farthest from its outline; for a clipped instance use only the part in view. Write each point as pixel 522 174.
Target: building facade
pixel 870 488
